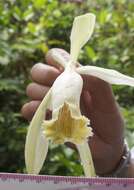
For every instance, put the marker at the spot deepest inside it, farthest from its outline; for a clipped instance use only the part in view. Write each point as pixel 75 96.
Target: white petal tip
pixel 87 15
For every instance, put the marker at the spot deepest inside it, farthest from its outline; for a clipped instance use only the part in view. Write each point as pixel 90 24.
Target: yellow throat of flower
pixel 67 127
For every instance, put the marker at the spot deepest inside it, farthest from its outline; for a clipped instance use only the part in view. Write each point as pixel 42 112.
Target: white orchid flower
pixel 67 124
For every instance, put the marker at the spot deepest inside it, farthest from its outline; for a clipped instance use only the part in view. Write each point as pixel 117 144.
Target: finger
pixel 44 74
pixel 58 58
pixel 29 109
pixel 36 91
pixel 50 58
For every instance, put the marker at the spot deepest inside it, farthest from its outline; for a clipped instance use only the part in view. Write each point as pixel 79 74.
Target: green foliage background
pixel 28 29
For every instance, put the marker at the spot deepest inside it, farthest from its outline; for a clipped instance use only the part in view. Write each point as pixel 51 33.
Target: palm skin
pixel 97 103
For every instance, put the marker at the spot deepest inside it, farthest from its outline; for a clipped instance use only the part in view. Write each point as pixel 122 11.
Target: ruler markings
pixel 58 179
pixel 63 182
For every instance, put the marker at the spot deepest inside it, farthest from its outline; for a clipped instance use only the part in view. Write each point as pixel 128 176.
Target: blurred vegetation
pixel 28 29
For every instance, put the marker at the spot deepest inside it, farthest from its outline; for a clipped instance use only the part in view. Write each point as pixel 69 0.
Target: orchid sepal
pixel 82 30
pixel 86 159
pixel 109 75
pixel 36 146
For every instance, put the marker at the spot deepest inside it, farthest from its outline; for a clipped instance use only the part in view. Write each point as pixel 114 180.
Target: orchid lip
pixel 67 127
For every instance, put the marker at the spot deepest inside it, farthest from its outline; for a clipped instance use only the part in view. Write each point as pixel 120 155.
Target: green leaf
pixel 17 13
pixel 31 27
pixel 39 3
pixel 28 14
pixel 103 16
pixel 91 53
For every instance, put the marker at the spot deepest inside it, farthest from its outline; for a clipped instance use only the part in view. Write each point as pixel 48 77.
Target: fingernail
pixel 60 54
pixel 63 53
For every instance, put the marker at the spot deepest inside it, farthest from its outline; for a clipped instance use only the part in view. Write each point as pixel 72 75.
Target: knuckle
pixel 29 89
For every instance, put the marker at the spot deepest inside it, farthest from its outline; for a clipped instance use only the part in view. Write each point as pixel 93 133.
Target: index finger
pixel 58 58
pixel 44 74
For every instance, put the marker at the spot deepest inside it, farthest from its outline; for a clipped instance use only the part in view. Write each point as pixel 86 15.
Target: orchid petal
pixel 86 159
pixel 82 30
pixel 36 147
pixel 109 75
pixel 70 84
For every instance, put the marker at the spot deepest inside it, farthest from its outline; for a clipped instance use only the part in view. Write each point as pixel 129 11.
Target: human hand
pixel 97 103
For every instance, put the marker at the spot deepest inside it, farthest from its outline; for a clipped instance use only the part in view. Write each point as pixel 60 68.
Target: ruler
pixel 15 181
